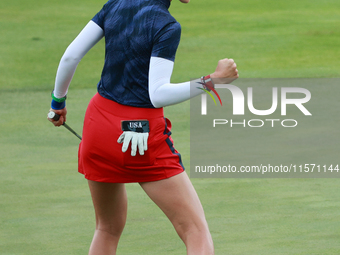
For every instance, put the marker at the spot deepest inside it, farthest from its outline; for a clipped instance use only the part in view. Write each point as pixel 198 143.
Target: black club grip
pixel 54 116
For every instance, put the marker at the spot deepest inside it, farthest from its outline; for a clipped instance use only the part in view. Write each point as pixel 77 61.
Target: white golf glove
pixel 136 132
pixel 139 140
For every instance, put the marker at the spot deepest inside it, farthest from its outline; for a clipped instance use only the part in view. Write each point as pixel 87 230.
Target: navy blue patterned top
pixel 134 31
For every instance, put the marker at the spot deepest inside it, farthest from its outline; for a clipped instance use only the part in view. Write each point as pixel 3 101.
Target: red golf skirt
pixel 101 158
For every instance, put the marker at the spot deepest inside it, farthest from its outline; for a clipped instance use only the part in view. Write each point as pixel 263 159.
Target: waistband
pixel 126 111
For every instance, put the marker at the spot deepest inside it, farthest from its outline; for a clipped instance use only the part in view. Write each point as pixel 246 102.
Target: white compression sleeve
pixel 88 37
pixel 161 91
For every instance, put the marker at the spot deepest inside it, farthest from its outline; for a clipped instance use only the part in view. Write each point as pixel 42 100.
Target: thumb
pixel 121 138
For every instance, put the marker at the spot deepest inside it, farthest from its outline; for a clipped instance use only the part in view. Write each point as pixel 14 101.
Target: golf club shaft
pixel 71 130
pixel 55 116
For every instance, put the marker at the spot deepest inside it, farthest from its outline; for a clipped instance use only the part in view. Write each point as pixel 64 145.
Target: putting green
pixel 45 205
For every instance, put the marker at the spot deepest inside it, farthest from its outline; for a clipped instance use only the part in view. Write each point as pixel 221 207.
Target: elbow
pixel 70 59
pixel 156 100
pixel 71 56
pixel 156 103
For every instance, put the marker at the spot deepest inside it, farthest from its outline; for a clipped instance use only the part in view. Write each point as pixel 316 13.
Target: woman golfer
pixel 125 136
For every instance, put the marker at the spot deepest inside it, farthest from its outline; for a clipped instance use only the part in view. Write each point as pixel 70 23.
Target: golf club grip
pixel 54 116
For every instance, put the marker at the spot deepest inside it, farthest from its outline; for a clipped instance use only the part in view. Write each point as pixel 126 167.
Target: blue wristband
pixel 57 106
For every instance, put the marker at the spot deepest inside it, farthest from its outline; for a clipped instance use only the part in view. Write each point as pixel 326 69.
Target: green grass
pixel 45 205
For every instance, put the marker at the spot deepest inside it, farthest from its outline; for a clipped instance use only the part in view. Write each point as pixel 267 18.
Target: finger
pixel 121 138
pixel 62 113
pixel 127 139
pixel 145 141
pixel 134 145
pixel 56 123
pixel 140 144
pixel 62 117
pixel 59 122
